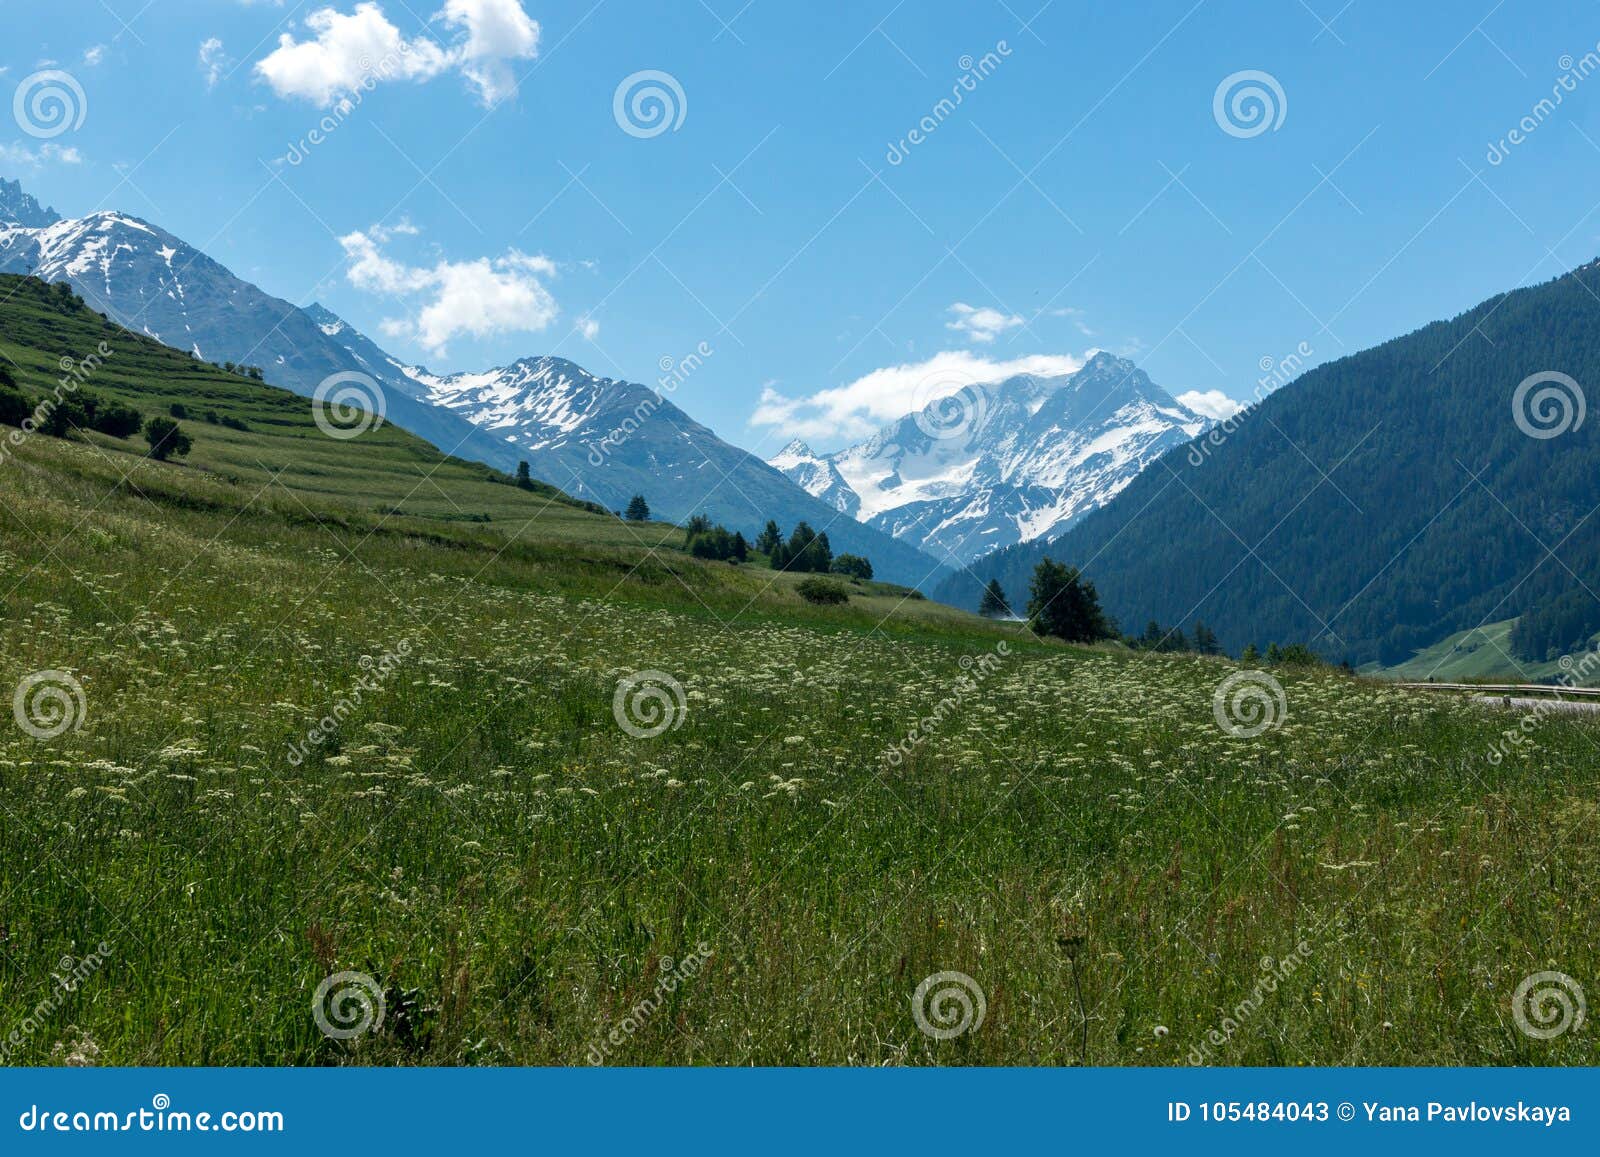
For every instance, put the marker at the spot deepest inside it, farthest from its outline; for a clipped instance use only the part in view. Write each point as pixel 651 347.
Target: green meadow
pixel 509 781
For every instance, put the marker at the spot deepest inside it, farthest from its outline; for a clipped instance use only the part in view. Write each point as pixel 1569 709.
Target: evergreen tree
pixel 1250 654
pixel 741 548
pixel 1205 641
pixel 524 476
pixel 994 605
pixel 638 509
pixel 769 538
pixel 1064 604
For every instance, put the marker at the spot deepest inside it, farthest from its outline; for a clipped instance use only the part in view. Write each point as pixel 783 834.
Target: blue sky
pixel 483 200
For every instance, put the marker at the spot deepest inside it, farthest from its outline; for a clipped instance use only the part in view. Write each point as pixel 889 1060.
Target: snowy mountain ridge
pixel 995 465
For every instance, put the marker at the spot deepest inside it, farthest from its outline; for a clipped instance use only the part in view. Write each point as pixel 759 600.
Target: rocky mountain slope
pixel 996 465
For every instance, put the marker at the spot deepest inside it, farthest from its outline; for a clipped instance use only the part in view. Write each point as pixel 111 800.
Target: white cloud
pixel 212 61
pixel 478 298
pixel 981 324
pixel 1211 403
pixel 47 153
pixel 496 31
pixel 588 327
pixel 365 48
pixel 348 52
pixel 94 55
pixel 865 405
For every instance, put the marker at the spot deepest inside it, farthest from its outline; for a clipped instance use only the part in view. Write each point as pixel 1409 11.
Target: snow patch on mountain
pixel 1029 457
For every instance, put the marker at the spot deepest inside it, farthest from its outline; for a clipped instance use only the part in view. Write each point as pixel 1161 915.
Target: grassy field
pixel 817 812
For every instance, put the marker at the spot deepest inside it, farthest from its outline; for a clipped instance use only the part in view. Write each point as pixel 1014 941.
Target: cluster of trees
pixel 1203 641
pixel 1289 655
pixel 84 410
pixel 805 551
pixel 1065 605
pixel 714 542
pixel 244 371
pixel 1560 626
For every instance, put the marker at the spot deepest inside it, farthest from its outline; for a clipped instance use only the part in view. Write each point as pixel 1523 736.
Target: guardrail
pixel 1507 689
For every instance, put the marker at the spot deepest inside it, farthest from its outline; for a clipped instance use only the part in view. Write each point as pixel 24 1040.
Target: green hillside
pixel 1480 653
pixel 519 773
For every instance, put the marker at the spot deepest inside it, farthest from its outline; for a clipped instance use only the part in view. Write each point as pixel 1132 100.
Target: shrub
pixel 822 592
pixel 115 419
pixel 853 566
pixel 14 407
pixel 178 410
pixel 166 439
pixel 65 416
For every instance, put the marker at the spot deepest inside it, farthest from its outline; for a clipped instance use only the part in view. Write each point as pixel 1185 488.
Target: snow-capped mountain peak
pixel 817 476
pixel 993 465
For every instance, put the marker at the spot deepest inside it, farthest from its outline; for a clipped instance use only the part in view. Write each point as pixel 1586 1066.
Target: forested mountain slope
pixel 1379 502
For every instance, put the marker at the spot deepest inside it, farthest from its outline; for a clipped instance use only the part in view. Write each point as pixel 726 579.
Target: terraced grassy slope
pixel 822 808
